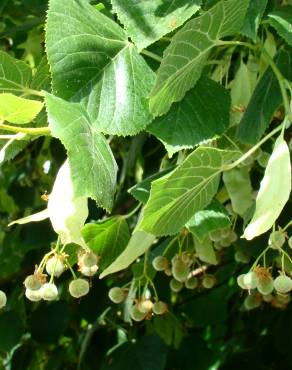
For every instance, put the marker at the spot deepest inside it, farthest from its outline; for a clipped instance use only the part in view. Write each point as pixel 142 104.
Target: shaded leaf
pixel 139 243
pixel 92 62
pixel 13 146
pixel 185 57
pixel 253 18
pixel 169 328
pixel 281 20
pixel 11 330
pixel 107 239
pixel 141 191
pixel 201 115
pixel 148 352
pixel 265 99
pixel 147 21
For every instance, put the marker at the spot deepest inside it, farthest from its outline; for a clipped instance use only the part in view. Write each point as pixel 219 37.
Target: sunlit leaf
pixel 18 110
pixel 92 62
pixel 185 57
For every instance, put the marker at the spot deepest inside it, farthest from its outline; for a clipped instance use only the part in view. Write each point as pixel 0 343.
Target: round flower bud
pixel 49 292
pixel 32 282
pixel 283 298
pixel 168 272
pixel 192 282
pixel 265 285
pixel 290 242
pixel 159 308
pixel 283 284
pixel 89 271
pixel 78 288
pixel 136 314
pixel 225 242
pixel 33 295
pixel 250 280
pixel 116 295
pixel 208 281
pixel 55 266
pixel 175 285
pixel 160 263
pixel 215 235
pixel 241 257
pixel 263 159
pixel 145 306
pixel 276 239
pixel 232 236
pixel 252 301
pixel 186 258
pixel 88 259
pixel 267 297
pixel 218 246
pixel 3 299
pixel 225 233
pixel 240 281
pixel 180 270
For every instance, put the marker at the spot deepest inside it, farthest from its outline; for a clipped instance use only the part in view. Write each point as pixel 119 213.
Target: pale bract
pixel 274 191
pixel 67 213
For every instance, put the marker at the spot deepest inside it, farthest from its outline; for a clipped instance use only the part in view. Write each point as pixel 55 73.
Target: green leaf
pixel 141 191
pixel 205 251
pixel 281 20
pixel 15 75
pixel 169 328
pixel 189 188
pixel 265 99
pixel 185 57
pixel 11 330
pixel 238 185
pixel 201 115
pixel 274 191
pixel 18 110
pixel 241 91
pixel 42 78
pixel 139 243
pixel 147 21
pixel 10 148
pixel 253 18
pixel 145 353
pixel 91 160
pixel 92 62
pixel 213 217
pixel 107 239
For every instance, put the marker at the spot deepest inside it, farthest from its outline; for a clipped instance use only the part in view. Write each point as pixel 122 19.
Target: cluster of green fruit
pixel 223 238
pixel 143 308
pixel 37 287
pixel 180 268
pixel 263 287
